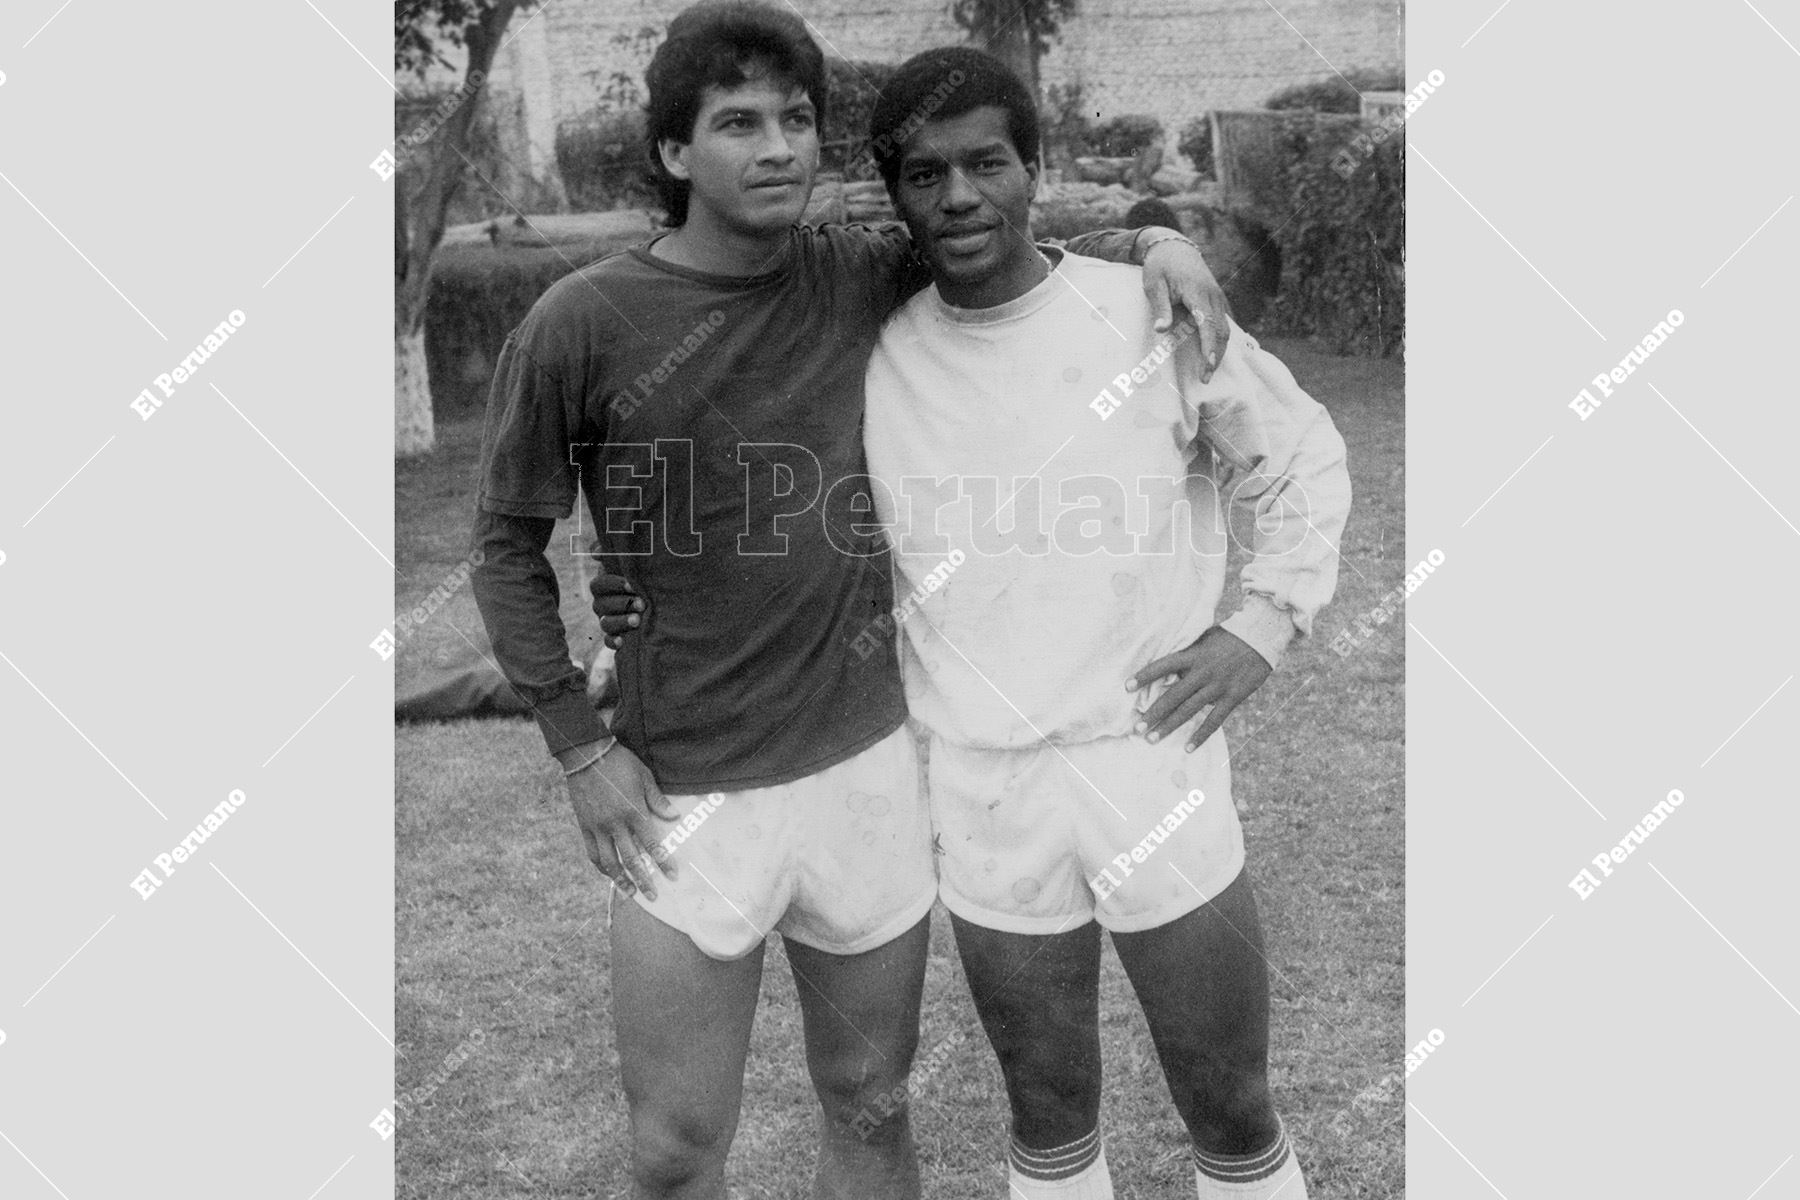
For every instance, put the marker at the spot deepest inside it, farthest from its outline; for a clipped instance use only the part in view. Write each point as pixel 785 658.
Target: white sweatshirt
pixel 1094 440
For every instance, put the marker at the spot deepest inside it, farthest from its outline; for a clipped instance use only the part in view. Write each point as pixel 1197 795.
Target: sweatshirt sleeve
pixel 516 590
pixel 1277 456
pixel 526 482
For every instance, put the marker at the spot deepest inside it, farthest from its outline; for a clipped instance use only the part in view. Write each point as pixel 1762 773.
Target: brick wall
pixel 1171 58
pixel 1176 59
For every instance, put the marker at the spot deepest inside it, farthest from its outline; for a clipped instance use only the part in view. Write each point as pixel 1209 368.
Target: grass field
pixel 509 1078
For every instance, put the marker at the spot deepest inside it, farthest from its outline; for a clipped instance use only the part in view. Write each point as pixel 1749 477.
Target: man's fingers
pixel 1214 720
pixel 1159 306
pixel 1151 672
pixel 1205 312
pixel 1212 346
pixel 1214 333
pixel 1207 728
pixel 658 804
pixel 658 856
pixel 633 844
pixel 606 860
pixel 615 604
pixel 1189 708
pixel 617 625
pixel 1156 720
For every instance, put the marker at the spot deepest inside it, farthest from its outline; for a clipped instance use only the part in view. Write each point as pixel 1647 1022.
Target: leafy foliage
pixel 622 89
pixel 1066 216
pixel 1197 144
pixel 604 161
pixel 469 199
pixel 1343 247
pixel 1042 18
pixel 479 294
pixel 1064 123
pixel 1338 94
pixel 423 27
pixel 1124 135
pixel 852 88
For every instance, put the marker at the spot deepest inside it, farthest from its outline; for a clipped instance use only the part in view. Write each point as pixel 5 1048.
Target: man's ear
pixel 1033 171
pixel 674 156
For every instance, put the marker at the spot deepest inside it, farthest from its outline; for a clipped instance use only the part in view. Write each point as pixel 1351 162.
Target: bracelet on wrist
pixel 1172 235
pixel 597 756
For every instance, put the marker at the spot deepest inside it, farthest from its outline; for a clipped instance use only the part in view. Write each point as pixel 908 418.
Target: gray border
pixel 187 599
pixel 1602 630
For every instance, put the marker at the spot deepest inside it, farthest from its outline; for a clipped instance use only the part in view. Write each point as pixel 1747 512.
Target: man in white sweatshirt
pixel 1056 483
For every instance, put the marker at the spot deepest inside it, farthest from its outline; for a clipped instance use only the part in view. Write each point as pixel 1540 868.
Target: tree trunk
pixel 1008 38
pixel 412 396
pixel 419 227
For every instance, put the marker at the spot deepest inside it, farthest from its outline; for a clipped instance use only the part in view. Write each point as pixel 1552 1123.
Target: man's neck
pixel 1009 283
pixel 703 243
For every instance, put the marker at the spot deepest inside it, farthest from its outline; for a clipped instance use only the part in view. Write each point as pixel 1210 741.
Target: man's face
pixel 965 195
pixel 754 152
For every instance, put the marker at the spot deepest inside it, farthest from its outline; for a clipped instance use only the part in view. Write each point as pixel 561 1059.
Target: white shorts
pixel 1118 830
pixel 839 860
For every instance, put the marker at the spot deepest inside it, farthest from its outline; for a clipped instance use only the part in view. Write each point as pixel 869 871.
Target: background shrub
pixel 1078 209
pixel 1064 125
pixel 1124 135
pixel 604 161
pixel 853 87
pixel 1196 143
pixel 479 293
pixel 473 200
pixel 1343 275
pixel 1337 94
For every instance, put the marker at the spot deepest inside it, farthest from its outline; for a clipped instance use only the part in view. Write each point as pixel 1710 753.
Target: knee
pixel 1054 1092
pixel 1056 1101
pixel 669 1153
pixel 1235 1114
pixel 865 1092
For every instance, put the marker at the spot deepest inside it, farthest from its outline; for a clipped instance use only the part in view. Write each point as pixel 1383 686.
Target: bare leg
pixel 1039 1001
pixel 862 1027
pixel 683 1023
pixel 1204 987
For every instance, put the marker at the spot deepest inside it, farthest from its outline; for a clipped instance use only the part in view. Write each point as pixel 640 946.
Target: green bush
pixel 1261 179
pixel 844 138
pixel 1126 134
pixel 1343 249
pixel 604 161
pixel 1337 94
pixel 1063 124
pixel 1063 218
pixel 414 109
pixel 1197 144
pixel 479 294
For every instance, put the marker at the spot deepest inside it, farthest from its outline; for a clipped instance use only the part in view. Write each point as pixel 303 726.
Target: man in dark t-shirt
pixel 715 423
pixel 705 393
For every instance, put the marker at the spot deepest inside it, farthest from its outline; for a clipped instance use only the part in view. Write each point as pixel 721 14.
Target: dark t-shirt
pixel 714 424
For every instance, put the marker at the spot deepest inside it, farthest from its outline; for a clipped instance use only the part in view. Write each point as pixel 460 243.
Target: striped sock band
pixel 1244 1168
pixel 1063 1162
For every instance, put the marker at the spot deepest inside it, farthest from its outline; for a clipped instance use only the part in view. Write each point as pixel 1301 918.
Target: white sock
pixel 1272 1173
pixel 1076 1171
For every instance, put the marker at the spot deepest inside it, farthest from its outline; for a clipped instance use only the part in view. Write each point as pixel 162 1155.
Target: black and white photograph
pixel 901 684
pixel 887 600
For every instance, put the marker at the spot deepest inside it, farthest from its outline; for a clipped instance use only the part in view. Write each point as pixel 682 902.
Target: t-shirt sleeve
pixel 1107 245
pixel 534 413
pixel 883 255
